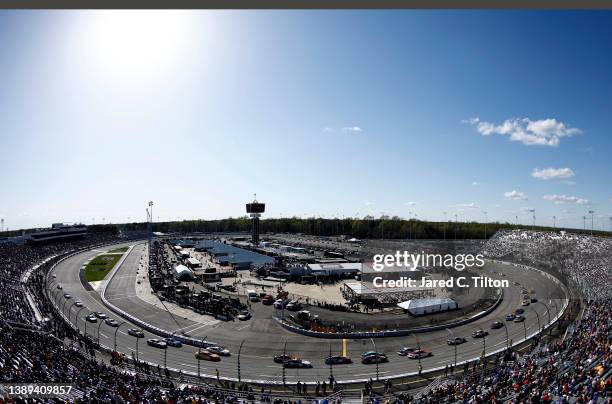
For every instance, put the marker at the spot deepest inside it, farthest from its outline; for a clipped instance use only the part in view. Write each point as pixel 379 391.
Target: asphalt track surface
pixel 263 338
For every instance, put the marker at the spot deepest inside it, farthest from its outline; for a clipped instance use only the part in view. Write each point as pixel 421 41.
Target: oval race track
pixel 263 338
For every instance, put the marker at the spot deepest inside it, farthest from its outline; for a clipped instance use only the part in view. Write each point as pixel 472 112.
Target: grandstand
pixel 36 346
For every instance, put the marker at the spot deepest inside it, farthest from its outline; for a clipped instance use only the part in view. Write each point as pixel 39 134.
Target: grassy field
pixel 119 250
pixel 101 265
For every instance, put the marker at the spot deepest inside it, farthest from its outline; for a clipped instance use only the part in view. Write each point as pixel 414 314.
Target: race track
pixel 263 338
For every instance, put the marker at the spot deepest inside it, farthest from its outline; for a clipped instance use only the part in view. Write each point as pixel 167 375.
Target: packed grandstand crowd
pixel 571 369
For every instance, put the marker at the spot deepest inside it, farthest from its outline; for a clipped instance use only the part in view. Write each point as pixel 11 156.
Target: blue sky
pixel 319 112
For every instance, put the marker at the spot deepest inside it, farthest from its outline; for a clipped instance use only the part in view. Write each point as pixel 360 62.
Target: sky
pixel 426 114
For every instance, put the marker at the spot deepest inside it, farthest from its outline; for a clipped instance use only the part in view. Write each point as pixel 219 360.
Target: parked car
pixel 456 341
pixel 207 356
pixel 296 364
pixel 244 315
pixel 419 354
pixel 496 324
pixel 267 300
pixel 479 334
pixel 157 343
pixel 294 305
pixel 280 303
pixel 510 317
pixel 111 322
pixel 337 360
pixel 174 342
pixel 403 351
pixel 135 332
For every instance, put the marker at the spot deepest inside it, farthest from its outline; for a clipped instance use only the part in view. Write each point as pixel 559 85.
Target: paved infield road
pixel 263 338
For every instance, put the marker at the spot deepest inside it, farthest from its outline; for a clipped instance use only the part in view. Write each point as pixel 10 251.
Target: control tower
pixel 255 209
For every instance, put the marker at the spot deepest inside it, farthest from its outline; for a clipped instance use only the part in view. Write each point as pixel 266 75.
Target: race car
pixel 283 358
pixel 496 324
pixel 519 311
pixel 419 354
pixel 297 364
pixel 111 322
pixel 174 342
pixel 337 360
pixel 91 318
pixel 519 319
pixel 67 296
pixel 218 350
pixel 78 303
pixel 510 317
pixel 135 332
pixel 157 343
pixel 375 358
pixel 405 351
pixel 479 334
pixel 456 341
pixel 207 356
pixel 100 315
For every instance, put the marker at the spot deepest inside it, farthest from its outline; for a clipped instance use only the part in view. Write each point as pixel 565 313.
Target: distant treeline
pixel 367 228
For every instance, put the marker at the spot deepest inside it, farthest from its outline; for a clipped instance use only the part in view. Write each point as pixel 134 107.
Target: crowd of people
pixel 572 369
pixel 585 261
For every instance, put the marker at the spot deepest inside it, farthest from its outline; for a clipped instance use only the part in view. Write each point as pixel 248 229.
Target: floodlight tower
pixel 533 212
pixel 255 209
pixel 1 224
pixel 592 212
pixel 150 217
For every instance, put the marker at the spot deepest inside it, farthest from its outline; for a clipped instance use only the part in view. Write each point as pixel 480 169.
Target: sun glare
pixel 136 43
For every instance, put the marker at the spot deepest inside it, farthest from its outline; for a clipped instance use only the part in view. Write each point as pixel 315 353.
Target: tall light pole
pixel 533 212
pixel 485 213
pixel 445 225
pixel 584 223
pixel 554 222
pixel 592 212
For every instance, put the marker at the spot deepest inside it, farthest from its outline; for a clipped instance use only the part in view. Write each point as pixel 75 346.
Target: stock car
pixel 534 300
pixel 526 303
pixel 419 354
pixel 510 317
pixel 135 332
pixel 479 334
pixel 282 358
pixel 297 363
pixel 374 358
pixel 519 319
pixel 78 303
pixel 218 350
pixel 59 287
pixel 100 315
pixel 496 324
pixel 157 343
pixel 456 341
pixel 67 296
pixel 404 351
pixel 174 342
pixel 337 360
pixel 519 311
pixel 91 318
pixel 111 322
pixel 207 356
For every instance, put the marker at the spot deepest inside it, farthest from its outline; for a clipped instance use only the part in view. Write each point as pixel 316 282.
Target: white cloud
pixel 515 196
pixel 552 173
pixel 475 183
pixel 410 203
pixel 470 205
pixel 543 132
pixel 327 129
pixel 559 199
pixel 368 203
pixel 352 129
